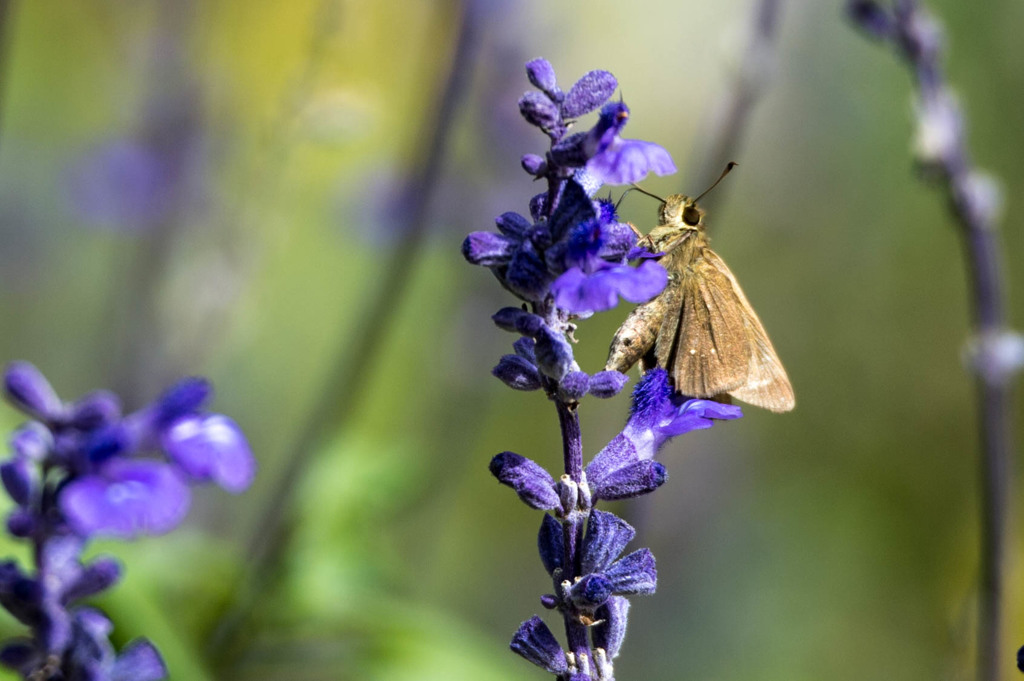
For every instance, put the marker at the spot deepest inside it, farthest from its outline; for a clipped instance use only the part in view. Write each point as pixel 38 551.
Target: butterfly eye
pixel 691 214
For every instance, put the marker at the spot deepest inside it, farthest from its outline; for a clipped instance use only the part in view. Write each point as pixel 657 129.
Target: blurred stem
pixel 6 19
pixel 916 36
pixel 350 371
pixel 727 121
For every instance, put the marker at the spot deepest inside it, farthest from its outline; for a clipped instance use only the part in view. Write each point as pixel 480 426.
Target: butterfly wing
pixel 702 341
pixel 766 384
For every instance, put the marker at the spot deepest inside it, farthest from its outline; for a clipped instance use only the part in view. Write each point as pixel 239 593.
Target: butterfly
pixel 701 328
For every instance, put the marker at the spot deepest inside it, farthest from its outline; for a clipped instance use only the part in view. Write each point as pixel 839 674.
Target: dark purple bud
pixel 574 207
pixel 588 93
pixel 533 164
pixel 488 249
pixel 554 354
pixel 537 205
pixel 634 574
pixel 139 661
pixel 610 633
pixel 535 642
pixel 517 373
pixel 1020 658
pixel 871 17
pixel 211 448
pixel 21 523
pixel 541 75
pixel 99 575
pixel 549 601
pixel 524 347
pixel 19 655
pixel 527 275
pixel 107 443
pixel 574 386
pixel 540 111
pixel 631 481
pixel 28 390
pixel 531 482
pixel 572 151
pixel 605 384
pixel 507 317
pixel 19 595
pixel 184 398
pixel 551 544
pixel 606 537
pixel 618 453
pixel 95 410
pixel 591 591
pixel 513 224
pixel 19 481
pixel 530 324
pixel 32 442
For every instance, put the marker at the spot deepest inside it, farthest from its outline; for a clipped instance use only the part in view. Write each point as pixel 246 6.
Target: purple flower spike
pixel 582 293
pixel 610 633
pixel 535 642
pixel 531 482
pixel 129 499
pixel 28 390
pixel 211 447
pixel 606 537
pixel 589 92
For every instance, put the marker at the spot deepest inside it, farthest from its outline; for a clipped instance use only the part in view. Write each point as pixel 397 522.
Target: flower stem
pixel 572 525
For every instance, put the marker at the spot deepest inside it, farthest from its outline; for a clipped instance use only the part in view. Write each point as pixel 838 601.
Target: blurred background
pixel 273 195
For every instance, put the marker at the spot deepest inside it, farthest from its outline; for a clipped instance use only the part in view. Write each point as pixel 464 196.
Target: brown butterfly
pixel 700 328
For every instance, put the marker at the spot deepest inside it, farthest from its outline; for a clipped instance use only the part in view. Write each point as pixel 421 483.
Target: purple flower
pixel 614 160
pixel 606 574
pixel 126 500
pixel 624 467
pixel 211 447
pixel 582 293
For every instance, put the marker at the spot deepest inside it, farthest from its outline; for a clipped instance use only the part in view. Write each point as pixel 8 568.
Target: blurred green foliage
pixel 838 541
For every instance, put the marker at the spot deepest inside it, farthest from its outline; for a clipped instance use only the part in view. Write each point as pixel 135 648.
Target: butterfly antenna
pixel 644 191
pixel 728 166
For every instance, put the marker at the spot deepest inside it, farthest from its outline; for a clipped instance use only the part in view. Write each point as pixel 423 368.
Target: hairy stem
pixel 917 39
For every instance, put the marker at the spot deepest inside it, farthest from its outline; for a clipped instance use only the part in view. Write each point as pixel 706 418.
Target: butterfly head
pixel 681 211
